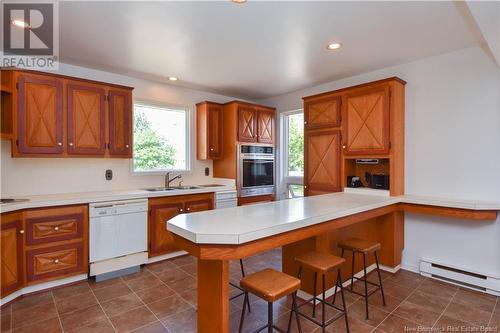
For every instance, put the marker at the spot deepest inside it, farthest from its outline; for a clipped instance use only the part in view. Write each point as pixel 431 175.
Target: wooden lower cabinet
pixel 11 256
pixel 55 262
pixel 163 209
pixel 243 201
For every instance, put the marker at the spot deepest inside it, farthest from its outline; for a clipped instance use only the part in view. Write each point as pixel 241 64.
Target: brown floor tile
pixel 282 322
pixel 260 309
pixel 420 314
pixel 73 290
pixel 438 288
pixel 77 302
pixel 475 299
pixel 173 276
pixel 357 311
pixel 434 303
pixel 190 296
pixel 406 278
pixel 350 298
pixel 188 283
pixel 391 302
pixel 395 324
pixel 47 326
pixel 144 282
pixel 251 322
pixel 32 315
pixel 449 324
pixel 28 301
pixel 182 322
pixel 142 273
pixel 184 260
pixel 5 323
pixel 121 304
pixel 133 319
pixel 169 306
pixel 154 294
pixel 155 327
pixel 191 269
pixel 397 290
pixel 108 293
pixel 468 314
pixel 103 284
pixel 80 318
pixel 355 326
pixel 495 317
pixel 161 266
pixel 103 326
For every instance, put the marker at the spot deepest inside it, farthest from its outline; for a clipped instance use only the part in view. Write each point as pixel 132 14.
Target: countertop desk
pixel 298 225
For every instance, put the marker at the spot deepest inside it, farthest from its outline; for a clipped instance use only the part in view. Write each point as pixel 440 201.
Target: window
pixel 161 138
pixel 293 153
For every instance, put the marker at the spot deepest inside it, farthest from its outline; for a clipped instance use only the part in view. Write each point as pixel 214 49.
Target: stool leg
pixel 335 292
pixel 243 312
pixel 339 282
pixel 269 317
pixel 352 270
pixel 314 295
pixel 379 278
pixel 323 304
pixel 243 275
pixel 366 285
pixel 294 310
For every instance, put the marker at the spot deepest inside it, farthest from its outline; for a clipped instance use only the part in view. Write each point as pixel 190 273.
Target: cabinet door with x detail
pixel 86 119
pixel 322 112
pixel 265 126
pixel 247 124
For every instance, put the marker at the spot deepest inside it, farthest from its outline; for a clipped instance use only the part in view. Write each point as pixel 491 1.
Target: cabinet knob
pixel 70 144
pixel 305 186
pixel 211 149
pixel 305 122
pixel 56 228
pixel 56 261
pixel 344 146
pixel 181 210
pixel 59 144
pixel 188 209
pixel 21 231
pixel 126 146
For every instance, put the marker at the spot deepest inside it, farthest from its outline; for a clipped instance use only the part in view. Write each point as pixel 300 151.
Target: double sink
pixel 187 187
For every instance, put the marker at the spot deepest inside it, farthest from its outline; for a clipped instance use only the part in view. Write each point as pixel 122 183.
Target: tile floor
pixel 162 298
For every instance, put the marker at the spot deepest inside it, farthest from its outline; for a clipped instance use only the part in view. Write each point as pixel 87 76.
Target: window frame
pixel 188 138
pixel 285 178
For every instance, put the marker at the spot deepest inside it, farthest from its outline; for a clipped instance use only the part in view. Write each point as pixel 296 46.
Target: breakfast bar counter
pixel 299 225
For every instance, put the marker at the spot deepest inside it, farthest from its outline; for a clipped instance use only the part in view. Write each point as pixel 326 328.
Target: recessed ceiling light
pixel 20 24
pixel 173 78
pixel 239 1
pixel 334 46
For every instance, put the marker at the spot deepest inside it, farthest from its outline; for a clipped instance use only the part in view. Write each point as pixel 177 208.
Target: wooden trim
pixel 17 224
pixel 255 199
pixel 389 79
pixel 30 222
pixel 469 214
pixel 253 105
pixel 30 255
pixel 27 71
pixel 70 114
pixel 22 148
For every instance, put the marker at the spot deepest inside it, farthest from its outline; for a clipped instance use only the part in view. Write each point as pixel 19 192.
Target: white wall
pixel 452 150
pixel 31 176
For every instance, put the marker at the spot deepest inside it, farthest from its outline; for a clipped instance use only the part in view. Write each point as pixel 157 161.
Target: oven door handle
pixel 257 161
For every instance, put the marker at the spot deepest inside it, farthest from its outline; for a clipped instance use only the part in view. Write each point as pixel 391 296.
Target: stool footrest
pixel 237 295
pixel 266 326
pixel 320 300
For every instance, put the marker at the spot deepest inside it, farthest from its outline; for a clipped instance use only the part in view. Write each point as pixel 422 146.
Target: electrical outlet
pixel 109 174
pixel 207 171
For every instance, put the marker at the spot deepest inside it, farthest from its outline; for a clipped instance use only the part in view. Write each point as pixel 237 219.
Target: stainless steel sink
pixel 187 187
pixel 210 185
pixel 159 189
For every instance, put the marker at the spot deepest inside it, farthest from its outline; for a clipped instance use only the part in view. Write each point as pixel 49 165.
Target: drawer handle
pixel 21 231
pixel 126 146
pixel 56 261
pixel 56 228
pixel 181 210
pixel 59 144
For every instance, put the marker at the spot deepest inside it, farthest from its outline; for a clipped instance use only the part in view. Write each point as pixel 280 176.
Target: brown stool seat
pixel 359 245
pixel 270 285
pixel 319 262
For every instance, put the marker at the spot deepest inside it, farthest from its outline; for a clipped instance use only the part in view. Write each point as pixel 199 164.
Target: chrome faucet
pixel 168 180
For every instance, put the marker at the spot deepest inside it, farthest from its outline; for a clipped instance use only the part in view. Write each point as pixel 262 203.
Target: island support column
pixel 213 296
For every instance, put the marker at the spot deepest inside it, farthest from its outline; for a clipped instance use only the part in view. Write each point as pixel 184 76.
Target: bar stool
pixel 322 263
pixel 271 285
pixel 243 292
pixel 364 247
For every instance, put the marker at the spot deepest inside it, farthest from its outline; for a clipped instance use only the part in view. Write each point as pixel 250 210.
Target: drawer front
pixel 53 228
pixel 54 261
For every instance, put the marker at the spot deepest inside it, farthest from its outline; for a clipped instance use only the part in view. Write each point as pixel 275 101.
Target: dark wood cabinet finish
pixel 120 123
pixel 11 253
pixel 209 128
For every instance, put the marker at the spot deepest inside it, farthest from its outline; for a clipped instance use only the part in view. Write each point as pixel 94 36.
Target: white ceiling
pixel 257 49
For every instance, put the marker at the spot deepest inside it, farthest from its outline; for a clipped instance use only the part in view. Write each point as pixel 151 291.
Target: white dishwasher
pixel 118 237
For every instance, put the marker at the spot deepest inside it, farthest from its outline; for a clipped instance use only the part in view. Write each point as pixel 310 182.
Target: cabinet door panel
pixel 40 115
pixel 198 205
pixel 54 228
pixel 322 162
pixel 86 120
pixel 160 240
pixel 247 124
pixel 57 261
pixel 120 123
pixel 11 257
pixel 322 112
pixel 366 125
pixel 265 126
pixel 214 131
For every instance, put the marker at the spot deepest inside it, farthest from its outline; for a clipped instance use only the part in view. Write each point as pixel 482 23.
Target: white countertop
pixel 102 196
pixel 243 224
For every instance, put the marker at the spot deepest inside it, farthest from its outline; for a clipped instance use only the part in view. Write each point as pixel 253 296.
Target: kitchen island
pixel 299 225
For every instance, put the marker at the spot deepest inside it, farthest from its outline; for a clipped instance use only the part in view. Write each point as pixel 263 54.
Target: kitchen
pixel 426 189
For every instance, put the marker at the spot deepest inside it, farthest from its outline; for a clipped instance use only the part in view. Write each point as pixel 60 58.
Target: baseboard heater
pixel 460 276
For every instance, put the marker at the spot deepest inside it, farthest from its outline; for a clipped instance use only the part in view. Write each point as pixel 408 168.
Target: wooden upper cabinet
pixel 322 162
pixel 40 115
pixel 366 124
pixel 265 126
pixel 86 119
pixel 120 123
pixel 322 112
pixel 247 124
pixel 11 254
pixel 209 130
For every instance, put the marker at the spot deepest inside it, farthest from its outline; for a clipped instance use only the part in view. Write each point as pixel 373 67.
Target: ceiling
pixel 257 49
